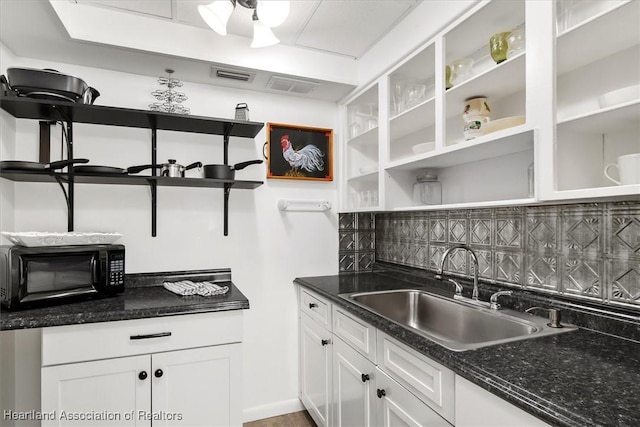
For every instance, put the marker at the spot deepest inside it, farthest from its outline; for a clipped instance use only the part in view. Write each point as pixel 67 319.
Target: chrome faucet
pixel 440 272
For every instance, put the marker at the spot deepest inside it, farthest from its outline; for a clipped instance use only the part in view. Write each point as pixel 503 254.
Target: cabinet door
pixel 476 407
pixel 197 387
pixel 315 369
pixel 398 407
pixel 353 387
pixel 113 392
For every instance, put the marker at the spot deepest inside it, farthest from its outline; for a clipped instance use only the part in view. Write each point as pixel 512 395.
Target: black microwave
pixel 32 276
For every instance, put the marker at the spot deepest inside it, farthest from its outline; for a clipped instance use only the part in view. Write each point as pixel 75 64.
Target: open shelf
pixel 489 204
pixel 497 82
pixel 604 120
pixel 161 181
pixel 621 191
pixel 368 137
pixel 41 109
pixel 594 38
pixel 507 141
pixel 70 113
pixel 414 119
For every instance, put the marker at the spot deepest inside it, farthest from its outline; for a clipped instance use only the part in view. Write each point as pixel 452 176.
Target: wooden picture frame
pixel 299 152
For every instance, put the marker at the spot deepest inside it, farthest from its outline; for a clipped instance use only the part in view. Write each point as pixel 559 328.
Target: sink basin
pixel 450 323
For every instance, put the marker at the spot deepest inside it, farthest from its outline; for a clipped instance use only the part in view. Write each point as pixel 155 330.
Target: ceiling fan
pixel 266 15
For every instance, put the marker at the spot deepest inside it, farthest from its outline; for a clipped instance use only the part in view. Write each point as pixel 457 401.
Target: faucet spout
pixel 474 257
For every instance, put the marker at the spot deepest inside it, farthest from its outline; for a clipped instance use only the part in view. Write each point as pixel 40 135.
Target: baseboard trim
pixel 271 410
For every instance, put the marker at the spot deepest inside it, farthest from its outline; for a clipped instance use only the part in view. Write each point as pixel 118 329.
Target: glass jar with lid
pixel 427 190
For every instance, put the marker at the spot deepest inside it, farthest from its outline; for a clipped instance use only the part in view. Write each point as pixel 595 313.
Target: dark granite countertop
pixel 143 297
pixel 581 378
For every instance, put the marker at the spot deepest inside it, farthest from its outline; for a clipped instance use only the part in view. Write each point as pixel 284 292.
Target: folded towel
pixel 187 287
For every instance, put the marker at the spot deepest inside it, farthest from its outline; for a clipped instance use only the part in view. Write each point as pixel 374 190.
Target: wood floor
pixel 295 419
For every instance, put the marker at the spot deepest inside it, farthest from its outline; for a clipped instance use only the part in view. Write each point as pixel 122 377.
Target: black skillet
pixel 19 165
pixel 109 170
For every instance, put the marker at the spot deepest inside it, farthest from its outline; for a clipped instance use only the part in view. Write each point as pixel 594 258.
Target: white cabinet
pixel 566 135
pixel 163 372
pixel 400 408
pixel 476 407
pixel 352 374
pixel 201 384
pixel 340 384
pixel 315 370
pixel 111 387
pixel 354 379
pixel 361 148
pixel 593 128
pixel 428 380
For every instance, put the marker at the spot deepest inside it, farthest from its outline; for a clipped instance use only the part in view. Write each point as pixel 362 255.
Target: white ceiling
pixel 331 32
pixel 344 27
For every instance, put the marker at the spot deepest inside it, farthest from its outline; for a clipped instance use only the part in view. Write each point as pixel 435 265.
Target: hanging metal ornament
pixel 170 98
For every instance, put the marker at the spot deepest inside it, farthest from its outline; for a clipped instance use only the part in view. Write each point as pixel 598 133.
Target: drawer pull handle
pixel 325 342
pixel 148 336
pixel 312 305
pixel 158 373
pixel 365 378
pixel 142 375
pixel 380 393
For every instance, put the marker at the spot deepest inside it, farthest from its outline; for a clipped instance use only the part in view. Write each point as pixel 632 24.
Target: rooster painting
pixel 308 158
pixel 303 152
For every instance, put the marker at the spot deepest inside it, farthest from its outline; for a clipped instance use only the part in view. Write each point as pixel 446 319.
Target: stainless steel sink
pixel 450 323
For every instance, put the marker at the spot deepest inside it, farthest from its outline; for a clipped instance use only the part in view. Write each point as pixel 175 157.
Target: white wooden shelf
pixel 365 177
pixel 599 37
pixel 494 17
pixel 366 138
pixel 622 191
pixel 487 204
pixel 494 83
pixel 420 117
pixel 604 120
pixel 507 141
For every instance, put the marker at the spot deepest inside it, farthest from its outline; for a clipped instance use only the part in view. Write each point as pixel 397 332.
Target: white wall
pixel 265 249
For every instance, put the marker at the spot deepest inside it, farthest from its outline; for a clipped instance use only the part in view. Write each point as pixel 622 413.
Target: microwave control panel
pixel 116 269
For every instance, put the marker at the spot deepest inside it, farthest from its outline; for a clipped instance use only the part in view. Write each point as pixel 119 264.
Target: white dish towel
pixel 187 287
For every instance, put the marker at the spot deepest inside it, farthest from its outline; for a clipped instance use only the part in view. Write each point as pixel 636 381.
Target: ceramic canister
pixel 476 113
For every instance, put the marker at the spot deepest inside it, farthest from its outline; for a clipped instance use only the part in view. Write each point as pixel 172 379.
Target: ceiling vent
pixel 237 75
pixel 286 84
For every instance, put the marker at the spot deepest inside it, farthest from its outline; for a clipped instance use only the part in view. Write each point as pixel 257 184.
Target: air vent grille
pixel 286 84
pixel 237 75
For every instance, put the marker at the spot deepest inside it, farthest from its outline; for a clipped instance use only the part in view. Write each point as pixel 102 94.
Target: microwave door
pixel 59 276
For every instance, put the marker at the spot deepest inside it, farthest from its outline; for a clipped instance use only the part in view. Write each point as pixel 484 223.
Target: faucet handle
pixel 493 301
pixel 459 287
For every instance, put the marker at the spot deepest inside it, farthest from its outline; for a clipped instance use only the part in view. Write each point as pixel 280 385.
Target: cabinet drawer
pixel 360 335
pixel 316 307
pixel 398 407
pixel 76 343
pixel 428 380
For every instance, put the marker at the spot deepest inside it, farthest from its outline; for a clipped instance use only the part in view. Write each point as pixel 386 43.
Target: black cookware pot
pixel 171 169
pixel 19 165
pixel 50 84
pixel 226 171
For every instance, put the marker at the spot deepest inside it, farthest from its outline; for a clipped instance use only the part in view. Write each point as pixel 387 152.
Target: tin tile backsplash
pixel 583 251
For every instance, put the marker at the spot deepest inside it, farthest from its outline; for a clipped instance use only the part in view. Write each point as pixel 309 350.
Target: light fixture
pixel 262 35
pixel 216 15
pixel 266 15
